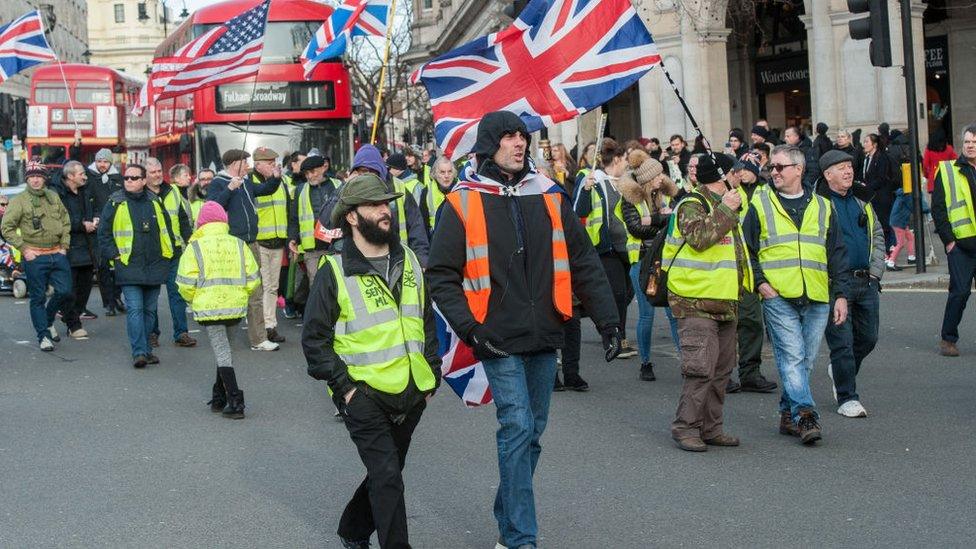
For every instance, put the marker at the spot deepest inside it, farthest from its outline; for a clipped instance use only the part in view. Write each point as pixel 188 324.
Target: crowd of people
pixel 788 241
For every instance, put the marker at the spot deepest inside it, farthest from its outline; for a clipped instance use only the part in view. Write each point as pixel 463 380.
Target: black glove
pixel 483 349
pixel 611 342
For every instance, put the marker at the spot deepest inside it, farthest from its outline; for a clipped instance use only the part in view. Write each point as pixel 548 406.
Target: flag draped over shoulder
pixel 351 18
pixel 23 45
pixel 560 58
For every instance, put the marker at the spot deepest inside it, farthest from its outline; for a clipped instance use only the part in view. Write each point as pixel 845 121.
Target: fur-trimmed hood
pixel 635 192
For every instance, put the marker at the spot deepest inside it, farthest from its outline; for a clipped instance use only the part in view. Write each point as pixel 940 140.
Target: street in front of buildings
pixel 96 453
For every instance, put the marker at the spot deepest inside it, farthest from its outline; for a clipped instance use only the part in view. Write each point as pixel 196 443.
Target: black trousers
pixel 749 332
pixel 617 268
pixel 962 272
pixel 378 504
pixel 571 347
pixel 106 285
pixel 81 283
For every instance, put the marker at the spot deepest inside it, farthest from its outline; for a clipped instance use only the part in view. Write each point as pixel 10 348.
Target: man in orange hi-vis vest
pixel 507 255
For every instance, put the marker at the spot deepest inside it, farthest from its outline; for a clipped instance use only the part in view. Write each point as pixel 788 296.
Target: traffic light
pixel 873 27
pixel 515 8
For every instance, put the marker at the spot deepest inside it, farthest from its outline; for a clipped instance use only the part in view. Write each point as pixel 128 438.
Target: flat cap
pixel 264 153
pixel 233 155
pixel 832 157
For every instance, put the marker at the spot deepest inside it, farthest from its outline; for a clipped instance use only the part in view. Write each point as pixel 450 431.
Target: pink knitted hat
pixel 211 212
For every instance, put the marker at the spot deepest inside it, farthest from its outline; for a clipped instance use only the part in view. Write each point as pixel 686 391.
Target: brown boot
pixel 948 348
pixel 809 427
pixel 691 444
pixel 786 426
pixel 722 440
pixel 185 341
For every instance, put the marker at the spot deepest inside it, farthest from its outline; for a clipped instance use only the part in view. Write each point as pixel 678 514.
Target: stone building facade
pixel 805 70
pixel 124 33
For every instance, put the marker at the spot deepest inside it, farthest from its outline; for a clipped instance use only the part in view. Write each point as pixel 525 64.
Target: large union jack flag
pixel 351 18
pixel 559 59
pixel 22 45
pixel 462 372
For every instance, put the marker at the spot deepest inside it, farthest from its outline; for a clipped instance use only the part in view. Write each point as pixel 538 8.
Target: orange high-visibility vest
pixel 477 278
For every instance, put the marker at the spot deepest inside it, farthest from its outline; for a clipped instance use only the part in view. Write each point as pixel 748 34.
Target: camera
pixel 36 222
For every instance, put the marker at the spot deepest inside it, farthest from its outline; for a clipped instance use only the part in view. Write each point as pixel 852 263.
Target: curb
pixel 937 281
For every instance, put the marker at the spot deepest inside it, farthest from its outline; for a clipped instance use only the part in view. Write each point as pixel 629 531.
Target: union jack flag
pixel 559 59
pixel 462 372
pixel 351 18
pixel 22 45
pixel 229 52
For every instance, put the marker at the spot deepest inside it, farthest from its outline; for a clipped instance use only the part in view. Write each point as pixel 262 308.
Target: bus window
pixel 332 138
pixel 93 93
pixel 45 94
pixel 284 41
pixel 50 154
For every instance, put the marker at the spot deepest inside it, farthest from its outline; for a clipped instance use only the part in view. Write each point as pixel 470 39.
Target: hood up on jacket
pixel 635 192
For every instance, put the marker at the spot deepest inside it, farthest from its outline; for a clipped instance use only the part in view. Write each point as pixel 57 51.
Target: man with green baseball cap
pixel 369 332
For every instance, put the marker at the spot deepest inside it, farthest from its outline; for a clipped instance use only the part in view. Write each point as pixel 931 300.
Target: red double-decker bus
pixel 103 99
pixel 279 109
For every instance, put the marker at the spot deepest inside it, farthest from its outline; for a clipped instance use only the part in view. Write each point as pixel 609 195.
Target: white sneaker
pixel 46 345
pixel 80 333
pixel 830 374
pixel 852 408
pixel 54 334
pixel 265 346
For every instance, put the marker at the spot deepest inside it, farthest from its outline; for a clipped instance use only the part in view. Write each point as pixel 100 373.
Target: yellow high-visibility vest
pixel 217 278
pixel 958 199
pixel 124 234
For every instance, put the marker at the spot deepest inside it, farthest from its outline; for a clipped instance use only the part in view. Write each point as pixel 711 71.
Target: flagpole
pixel 386 59
pixel 254 88
pixel 64 79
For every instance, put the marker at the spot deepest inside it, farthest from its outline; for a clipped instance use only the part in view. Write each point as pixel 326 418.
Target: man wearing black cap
pixel 369 332
pixel 311 196
pixel 708 271
pixel 851 342
pixel 400 169
pixel 235 190
pixel 759 135
pixel 507 256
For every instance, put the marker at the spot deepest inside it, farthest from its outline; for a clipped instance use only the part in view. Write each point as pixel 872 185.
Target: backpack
pixel 651 277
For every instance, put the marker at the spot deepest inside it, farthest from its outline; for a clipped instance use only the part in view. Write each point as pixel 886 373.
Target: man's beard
pixel 374 234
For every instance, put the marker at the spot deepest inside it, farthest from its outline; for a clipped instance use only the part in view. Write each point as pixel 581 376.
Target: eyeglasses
pixel 780 167
pixel 132 177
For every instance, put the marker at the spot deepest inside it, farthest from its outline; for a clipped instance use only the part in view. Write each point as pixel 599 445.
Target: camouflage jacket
pixel 701 230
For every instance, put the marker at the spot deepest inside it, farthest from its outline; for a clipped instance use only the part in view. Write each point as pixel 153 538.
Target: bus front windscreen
pixel 284 41
pixel 332 138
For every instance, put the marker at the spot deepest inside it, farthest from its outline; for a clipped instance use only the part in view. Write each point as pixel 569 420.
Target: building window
pixel 120 13
pixel 428 4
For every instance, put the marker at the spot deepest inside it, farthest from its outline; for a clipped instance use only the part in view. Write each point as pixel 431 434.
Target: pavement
pixel 95 453
pixel 936 275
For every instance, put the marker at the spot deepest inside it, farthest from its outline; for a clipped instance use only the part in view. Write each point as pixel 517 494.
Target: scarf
pixel 533 182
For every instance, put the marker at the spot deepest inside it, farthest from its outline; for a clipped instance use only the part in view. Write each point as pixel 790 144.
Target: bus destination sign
pixel 275 96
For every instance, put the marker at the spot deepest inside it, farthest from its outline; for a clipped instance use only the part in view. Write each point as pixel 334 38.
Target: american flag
pixel 22 45
pixel 229 52
pixel 560 58
pixel 351 18
pixel 165 68
pixel 462 372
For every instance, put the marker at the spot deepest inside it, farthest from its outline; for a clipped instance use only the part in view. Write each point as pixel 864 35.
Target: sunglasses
pixel 132 177
pixel 780 167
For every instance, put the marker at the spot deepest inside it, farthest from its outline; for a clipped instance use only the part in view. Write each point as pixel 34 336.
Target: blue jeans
pixel 44 270
pixel 853 340
pixel 645 319
pixel 177 305
pixel 521 386
pixel 796 333
pixel 140 316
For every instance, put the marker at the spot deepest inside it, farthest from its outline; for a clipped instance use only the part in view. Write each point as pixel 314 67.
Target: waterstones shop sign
pixel 784 73
pixel 275 96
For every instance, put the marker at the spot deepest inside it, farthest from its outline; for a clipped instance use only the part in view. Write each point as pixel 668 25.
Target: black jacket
pixel 522 317
pixel 318 333
pixel 940 215
pixel 878 179
pixel 645 233
pixel 811 169
pixel 101 186
pixel 821 145
pixel 239 203
pixel 146 266
pixel 79 206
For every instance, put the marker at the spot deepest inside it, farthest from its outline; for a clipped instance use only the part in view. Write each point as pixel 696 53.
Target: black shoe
pixel 87 315
pixel 120 305
pixel 757 384
pixel 152 359
pixel 578 384
pixel 235 405
pixel 348 544
pixel 110 312
pixel 732 386
pixel 274 337
pixel 218 400
pixel 912 261
pixel 647 372
pixel 139 362
pixel 558 385
pixel 809 428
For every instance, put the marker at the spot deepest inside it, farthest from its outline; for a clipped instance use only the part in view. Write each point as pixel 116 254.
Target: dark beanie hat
pixel 491 129
pixel 312 162
pixel 397 161
pixel 822 128
pixel 708 169
pixel 737 133
pixel 760 131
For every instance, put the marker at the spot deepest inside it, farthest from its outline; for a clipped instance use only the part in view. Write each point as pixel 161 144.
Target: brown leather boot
pixel 691 444
pixel 809 427
pixel 948 348
pixel 722 440
pixel 185 341
pixel 786 426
